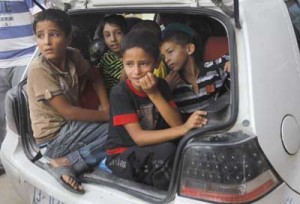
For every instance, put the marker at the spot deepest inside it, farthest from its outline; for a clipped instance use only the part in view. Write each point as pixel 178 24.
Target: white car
pixel 248 152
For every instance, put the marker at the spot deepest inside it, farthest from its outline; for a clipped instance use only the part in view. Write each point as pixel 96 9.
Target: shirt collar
pixel 134 90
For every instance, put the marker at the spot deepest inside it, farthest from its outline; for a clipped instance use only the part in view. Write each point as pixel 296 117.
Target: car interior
pixel 215 42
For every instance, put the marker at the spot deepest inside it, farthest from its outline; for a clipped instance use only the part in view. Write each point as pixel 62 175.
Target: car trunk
pixel 221 116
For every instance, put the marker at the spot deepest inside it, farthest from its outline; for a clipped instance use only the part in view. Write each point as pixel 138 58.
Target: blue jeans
pixel 82 143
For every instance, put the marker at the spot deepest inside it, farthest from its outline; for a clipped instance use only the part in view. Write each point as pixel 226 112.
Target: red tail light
pixel 226 169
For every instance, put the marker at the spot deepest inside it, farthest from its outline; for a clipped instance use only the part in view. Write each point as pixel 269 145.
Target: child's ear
pixel 190 48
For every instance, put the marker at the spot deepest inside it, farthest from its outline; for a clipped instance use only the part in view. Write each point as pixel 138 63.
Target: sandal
pixel 58 172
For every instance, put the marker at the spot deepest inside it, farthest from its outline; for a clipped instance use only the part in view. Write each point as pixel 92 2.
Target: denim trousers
pixel 82 143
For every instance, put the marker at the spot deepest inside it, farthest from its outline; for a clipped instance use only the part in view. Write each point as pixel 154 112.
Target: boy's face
pixel 175 55
pixel 51 41
pixel 113 36
pixel 137 63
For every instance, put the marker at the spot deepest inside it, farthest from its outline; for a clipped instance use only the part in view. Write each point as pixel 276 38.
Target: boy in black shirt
pixel 143 117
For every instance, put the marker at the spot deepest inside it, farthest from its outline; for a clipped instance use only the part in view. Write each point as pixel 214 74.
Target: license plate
pixel 39 197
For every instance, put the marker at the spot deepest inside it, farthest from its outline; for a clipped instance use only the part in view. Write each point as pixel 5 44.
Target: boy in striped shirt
pixel 200 83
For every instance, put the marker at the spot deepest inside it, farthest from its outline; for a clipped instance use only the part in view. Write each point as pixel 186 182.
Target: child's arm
pixel 70 112
pixel 99 88
pixel 149 137
pixel 224 63
pixel 227 67
pixel 170 115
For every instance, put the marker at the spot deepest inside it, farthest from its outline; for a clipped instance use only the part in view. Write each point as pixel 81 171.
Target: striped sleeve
pixel 111 67
pixel 17 42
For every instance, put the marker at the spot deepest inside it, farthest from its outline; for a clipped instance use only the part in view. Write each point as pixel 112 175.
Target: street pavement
pixel 7 193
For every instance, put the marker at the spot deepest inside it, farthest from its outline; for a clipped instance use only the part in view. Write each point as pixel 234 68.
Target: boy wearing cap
pixel 200 82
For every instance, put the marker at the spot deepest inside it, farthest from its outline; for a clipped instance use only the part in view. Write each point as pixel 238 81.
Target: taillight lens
pixel 229 168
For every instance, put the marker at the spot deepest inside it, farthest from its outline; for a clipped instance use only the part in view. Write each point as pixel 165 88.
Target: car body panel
pixel 274 52
pixel 23 173
pixel 92 4
pixel 264 45
pixel 25 182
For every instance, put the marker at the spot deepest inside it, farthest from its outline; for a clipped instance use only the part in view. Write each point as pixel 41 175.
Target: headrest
pixel 215 48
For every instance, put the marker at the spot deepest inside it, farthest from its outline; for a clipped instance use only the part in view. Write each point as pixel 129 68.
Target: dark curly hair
pixel 59 17
pixel 143 39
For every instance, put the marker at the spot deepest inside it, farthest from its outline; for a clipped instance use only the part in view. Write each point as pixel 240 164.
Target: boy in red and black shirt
pixel 143 118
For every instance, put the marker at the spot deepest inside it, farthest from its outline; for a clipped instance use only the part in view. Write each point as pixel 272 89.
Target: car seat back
pixel 30 147
pixel 215 48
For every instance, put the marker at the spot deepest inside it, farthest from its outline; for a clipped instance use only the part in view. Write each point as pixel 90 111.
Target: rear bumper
pixel 28 179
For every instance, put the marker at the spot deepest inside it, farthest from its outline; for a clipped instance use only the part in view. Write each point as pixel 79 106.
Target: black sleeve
pixel 164 89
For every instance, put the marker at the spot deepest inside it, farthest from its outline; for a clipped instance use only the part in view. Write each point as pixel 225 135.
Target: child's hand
pixel 148 83
pixel 196 120
pixel 227 67
pixel 173 78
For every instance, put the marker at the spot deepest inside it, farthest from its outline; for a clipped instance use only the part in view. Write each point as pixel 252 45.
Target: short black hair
pixel 115 19
pixel 143 39
pixel 183 35
pixel 59 17
pixel 132 21
pixel 148 25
